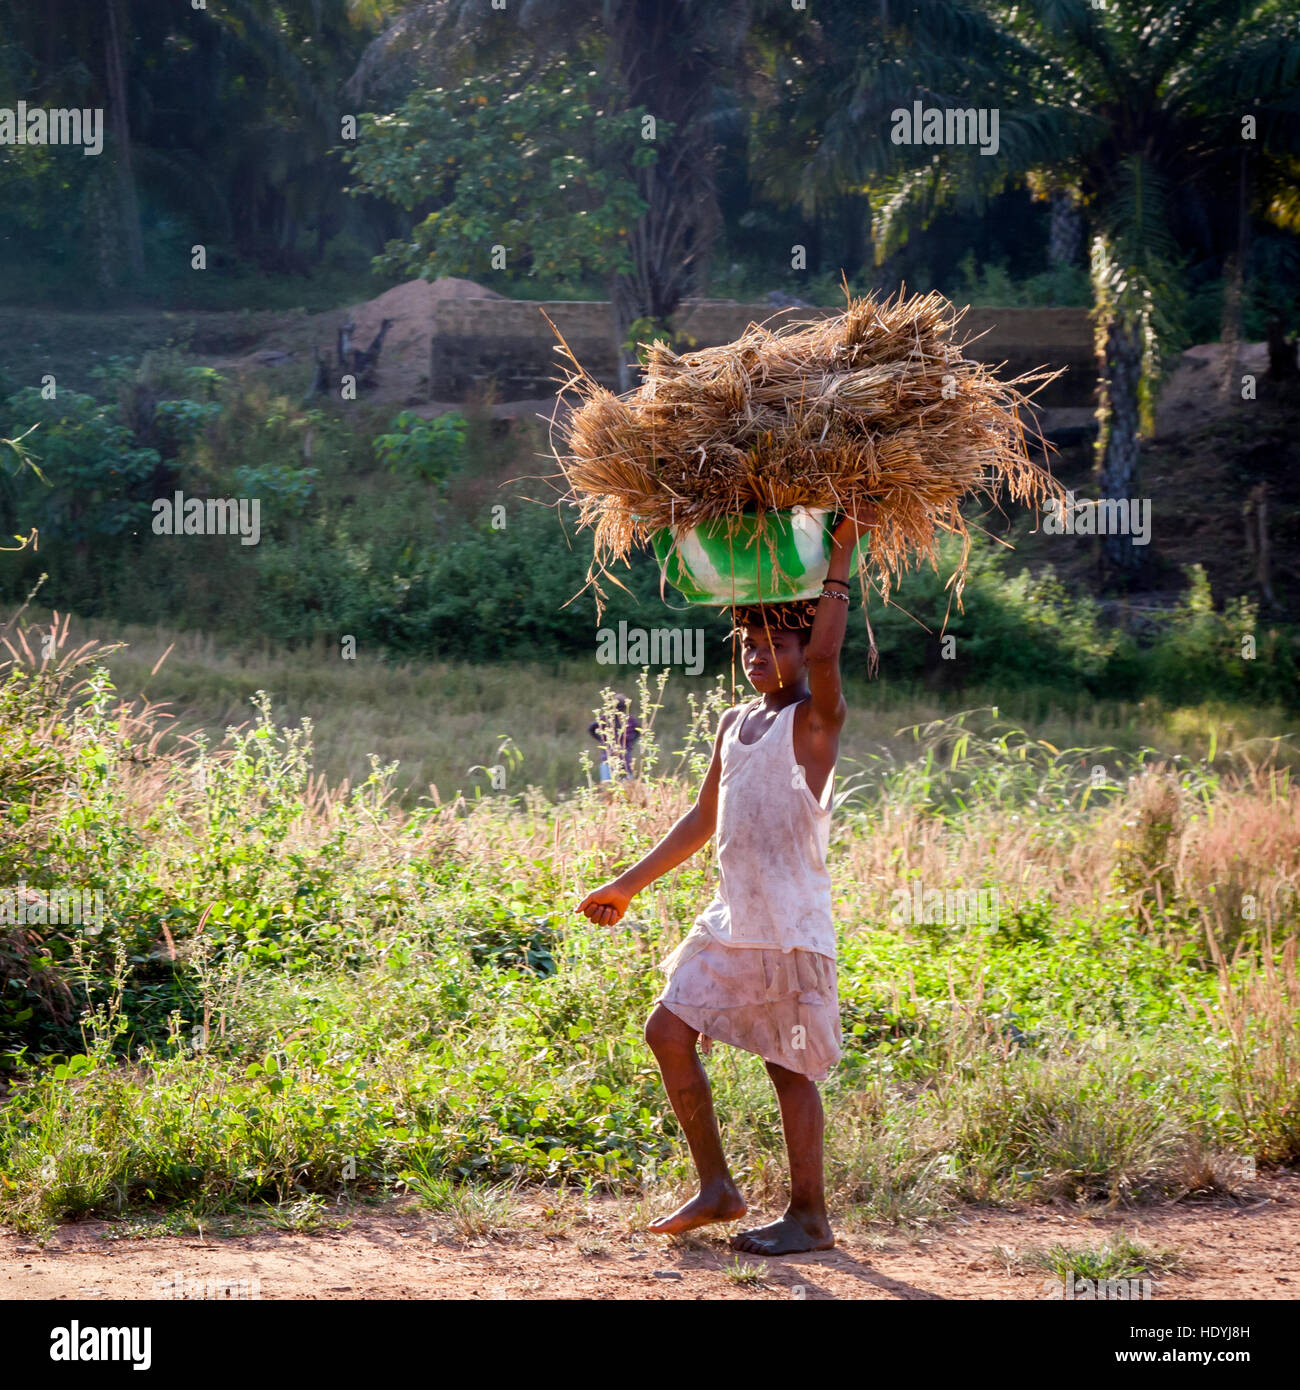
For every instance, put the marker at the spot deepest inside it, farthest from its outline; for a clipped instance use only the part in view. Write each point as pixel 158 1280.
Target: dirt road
pixel 582 1250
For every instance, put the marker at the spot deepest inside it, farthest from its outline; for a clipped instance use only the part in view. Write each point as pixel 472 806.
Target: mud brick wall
pixel 507 341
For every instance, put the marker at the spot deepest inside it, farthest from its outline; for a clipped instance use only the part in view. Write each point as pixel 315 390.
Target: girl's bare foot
pixel 790 1235
pixel 722 1203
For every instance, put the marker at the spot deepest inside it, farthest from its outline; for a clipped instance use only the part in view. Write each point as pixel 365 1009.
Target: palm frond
pixel 279 59
pixel 902 199
pixel 1080 36
pixel 1184 32
pixel 1137 270
pixel 1256 64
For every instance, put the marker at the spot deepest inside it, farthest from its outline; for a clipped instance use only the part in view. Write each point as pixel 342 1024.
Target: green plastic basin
pixel 731 560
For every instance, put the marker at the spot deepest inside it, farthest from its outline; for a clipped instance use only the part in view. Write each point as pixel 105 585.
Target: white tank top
pixel 772 834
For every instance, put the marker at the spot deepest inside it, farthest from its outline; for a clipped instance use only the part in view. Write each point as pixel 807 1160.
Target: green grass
pixel 1119 1258
pixel 302 994
pixel 744 1274
pixel 440 719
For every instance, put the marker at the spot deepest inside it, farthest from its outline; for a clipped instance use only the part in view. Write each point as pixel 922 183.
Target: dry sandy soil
pixel 1236 1249
pixel 1194 392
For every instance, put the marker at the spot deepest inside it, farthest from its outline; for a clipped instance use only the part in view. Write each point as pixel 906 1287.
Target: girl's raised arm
pixel 823 651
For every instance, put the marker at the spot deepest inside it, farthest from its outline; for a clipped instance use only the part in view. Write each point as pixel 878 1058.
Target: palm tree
pixel 118 23
pixel 670 55
pixel 225 118
pixel 1137 110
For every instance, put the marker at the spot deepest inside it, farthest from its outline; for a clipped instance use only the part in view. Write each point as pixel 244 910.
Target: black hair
pixel 796 617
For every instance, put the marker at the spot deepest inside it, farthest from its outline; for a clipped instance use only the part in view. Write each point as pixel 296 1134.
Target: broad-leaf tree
pixel 519 172
pixel 666 59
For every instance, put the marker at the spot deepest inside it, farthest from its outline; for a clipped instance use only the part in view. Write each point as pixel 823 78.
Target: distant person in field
pixel 618 740
pixel 757 970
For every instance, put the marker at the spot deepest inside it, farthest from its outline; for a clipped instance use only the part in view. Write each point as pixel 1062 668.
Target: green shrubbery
pixel 425 449
pixel 358 538
pixel 992 284
pixel 93 482
pixel 1201 648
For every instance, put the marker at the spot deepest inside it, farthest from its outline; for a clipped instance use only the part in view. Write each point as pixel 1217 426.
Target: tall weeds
pixel 294 979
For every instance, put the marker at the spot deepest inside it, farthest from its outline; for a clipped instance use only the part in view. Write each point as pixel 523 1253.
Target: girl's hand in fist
pixel 606 905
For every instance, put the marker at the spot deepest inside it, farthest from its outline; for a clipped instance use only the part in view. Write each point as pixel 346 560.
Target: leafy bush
pixel 1199 649
pixel 992 284
pixel 288 488
pixel 424 449
pixel 97 480
pixel 180 422
pixel 1021 630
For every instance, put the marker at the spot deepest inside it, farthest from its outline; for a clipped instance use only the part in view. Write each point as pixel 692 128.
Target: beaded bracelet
pixel 834 593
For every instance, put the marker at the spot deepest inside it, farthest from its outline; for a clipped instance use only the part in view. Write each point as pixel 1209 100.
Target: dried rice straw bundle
pixel 877 404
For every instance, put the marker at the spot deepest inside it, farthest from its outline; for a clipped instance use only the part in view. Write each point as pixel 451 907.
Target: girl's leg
pixel 805 1225
pixel 673 1043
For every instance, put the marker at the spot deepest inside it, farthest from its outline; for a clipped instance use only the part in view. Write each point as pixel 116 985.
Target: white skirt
pixel 784 1006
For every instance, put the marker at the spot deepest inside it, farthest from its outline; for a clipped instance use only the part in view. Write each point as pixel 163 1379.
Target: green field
pixel 300 990
pixel 440 720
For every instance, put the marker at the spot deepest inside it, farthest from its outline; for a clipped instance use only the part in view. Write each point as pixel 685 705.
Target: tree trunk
pixel 625 305
pixel 100 217
pixel 1233 276
pixel 122 138
pixel 1263 550
pixel 1065 239
pixel 667 63
pixel 1230 323
pixel 663 259
pixel 1283 364
pixel 854 234
pixel 1118 443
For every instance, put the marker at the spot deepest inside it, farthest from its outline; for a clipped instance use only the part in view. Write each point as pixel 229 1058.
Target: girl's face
pixel 771 664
